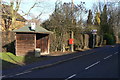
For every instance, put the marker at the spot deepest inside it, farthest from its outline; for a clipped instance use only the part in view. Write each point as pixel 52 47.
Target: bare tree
pixel 35 19
pixel 81 11
pixel 11 15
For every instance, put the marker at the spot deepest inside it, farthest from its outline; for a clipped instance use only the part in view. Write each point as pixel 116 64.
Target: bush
pixel 119 35
pixel 110 39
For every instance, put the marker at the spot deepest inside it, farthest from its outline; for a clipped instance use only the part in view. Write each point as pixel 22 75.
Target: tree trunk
pixel 63 50
pixel 101 40
pixel 13 23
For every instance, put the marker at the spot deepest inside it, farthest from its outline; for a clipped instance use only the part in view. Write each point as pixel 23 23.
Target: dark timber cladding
pixel 42 42
pixel 27 41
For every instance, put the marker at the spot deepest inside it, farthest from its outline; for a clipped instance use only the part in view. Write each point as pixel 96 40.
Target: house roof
pixel 38 29
pixel 6 13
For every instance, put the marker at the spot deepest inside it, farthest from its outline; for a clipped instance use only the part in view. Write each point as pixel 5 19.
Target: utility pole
pixel 72 47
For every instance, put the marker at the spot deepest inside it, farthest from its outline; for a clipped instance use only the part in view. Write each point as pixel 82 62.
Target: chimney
pixel 33 25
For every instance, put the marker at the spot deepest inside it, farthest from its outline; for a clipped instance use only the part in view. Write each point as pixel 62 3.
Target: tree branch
pixel 30 9
pixel 18 2
pixel 38 15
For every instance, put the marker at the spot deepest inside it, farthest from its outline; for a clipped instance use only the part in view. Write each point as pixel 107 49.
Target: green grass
pixel 10 57
pixel 9 60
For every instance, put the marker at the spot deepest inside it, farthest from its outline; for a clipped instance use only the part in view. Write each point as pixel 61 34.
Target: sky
pixel 48 6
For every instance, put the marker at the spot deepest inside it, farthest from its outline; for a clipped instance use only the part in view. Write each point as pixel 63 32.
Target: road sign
pixel 94 31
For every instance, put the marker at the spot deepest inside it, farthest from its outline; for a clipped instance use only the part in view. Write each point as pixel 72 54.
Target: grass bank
pixel 9 60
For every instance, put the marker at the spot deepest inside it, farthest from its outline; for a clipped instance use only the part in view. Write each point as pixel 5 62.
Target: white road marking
pixel 20 73
pixel 116 53
pixel 108 57
pixel 71 77
pixel 2 76
pixel 92 65
pixel 23 73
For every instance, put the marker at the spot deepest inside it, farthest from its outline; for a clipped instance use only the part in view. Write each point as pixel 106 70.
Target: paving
pixel 95 63
pixel 46 63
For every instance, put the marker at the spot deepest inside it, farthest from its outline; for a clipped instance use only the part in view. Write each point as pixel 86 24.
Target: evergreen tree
pixel 106 30
pixel 104 23
pixel 90 16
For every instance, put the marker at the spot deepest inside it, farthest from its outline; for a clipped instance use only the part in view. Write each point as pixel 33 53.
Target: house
pixel 30 38
pixel 6 28
pixel 6 18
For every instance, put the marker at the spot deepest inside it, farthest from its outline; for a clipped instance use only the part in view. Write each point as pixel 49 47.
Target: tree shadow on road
pixel 7 65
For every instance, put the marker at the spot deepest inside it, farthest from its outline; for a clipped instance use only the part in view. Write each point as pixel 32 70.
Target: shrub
pixel 119 34
pixel 110 39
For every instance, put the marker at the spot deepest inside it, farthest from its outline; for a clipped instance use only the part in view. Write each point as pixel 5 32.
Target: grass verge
pixel 9 60
pixel 10 57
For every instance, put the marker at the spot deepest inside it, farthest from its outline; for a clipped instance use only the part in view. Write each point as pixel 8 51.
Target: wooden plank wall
pixel 25 44
pixel 42 42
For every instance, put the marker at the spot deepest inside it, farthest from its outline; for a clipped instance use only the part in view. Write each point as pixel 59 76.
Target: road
pixel 101 64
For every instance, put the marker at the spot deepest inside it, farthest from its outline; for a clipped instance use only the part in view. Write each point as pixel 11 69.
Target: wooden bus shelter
pixel 28 40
